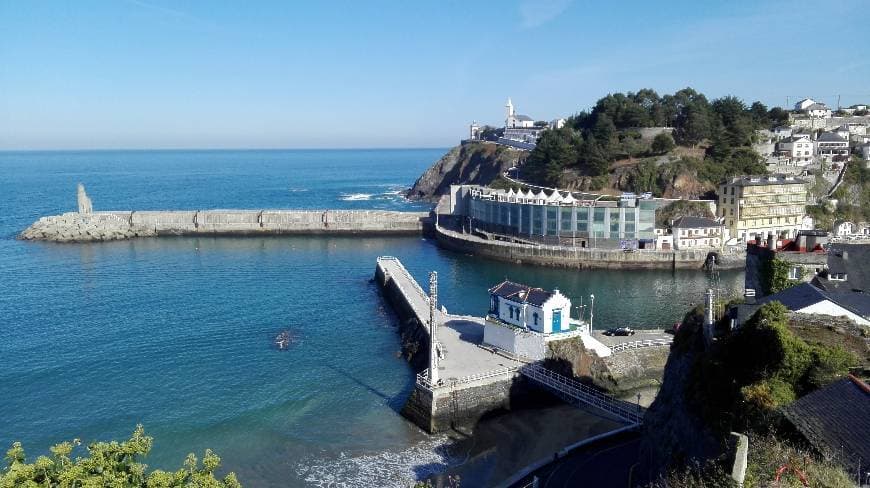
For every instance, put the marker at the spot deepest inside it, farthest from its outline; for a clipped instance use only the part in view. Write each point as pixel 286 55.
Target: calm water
pixel 175 333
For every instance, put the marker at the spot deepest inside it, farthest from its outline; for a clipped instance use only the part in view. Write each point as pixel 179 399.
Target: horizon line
pixel 107 149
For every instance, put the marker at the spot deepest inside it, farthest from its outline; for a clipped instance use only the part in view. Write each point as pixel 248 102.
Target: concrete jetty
pixel 471 378
pixel 88 225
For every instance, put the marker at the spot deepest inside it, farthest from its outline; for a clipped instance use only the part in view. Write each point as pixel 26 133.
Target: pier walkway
pixel 464 359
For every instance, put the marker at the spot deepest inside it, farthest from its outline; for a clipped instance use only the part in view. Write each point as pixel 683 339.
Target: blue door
pixel 557 320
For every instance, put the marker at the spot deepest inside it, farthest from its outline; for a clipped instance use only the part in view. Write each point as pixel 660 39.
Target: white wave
pixel 353 197
pixel 298 190
pixel 385 469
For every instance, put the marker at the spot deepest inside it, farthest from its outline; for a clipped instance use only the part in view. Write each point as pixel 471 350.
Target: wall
pixel 526 344
pixel 577 257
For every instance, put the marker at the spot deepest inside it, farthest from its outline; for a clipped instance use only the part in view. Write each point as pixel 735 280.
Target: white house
pixel 830 144
pixel 522 320
pixel 808 299
pixel 818 111
pixel 782 132
pixel 843 228
pixel 697 232
pixel 798 149
pixel 864 150
pixel 530 308
pixel 803 104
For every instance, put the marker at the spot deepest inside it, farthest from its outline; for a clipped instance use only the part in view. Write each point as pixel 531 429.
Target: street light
pixel 591 310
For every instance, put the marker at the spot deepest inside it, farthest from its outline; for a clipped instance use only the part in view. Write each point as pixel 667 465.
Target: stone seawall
pixel 112 225
pixel 568 257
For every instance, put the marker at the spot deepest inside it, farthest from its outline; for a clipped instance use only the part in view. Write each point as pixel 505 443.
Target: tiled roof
pixel 521 293
pixel 836 420
pixel 796 297
pixel 852 259
pixel 830 137
pixel 525 118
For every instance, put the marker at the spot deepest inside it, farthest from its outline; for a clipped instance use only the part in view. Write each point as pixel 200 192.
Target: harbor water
pixel 177 333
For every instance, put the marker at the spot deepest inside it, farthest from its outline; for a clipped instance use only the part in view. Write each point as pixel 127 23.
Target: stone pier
pixel 472 379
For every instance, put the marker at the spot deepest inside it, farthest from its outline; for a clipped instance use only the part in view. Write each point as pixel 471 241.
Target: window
pixel 511 311
pixel 535 318
pixel 794 273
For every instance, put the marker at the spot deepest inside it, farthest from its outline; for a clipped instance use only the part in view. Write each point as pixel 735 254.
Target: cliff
pixel 471 163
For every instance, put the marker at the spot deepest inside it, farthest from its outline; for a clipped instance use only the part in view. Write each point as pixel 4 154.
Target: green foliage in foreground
pixel 767 454
pixel 109 464
pixel 740 383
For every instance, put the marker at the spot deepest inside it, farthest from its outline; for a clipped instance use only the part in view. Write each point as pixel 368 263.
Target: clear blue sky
pixel 165 74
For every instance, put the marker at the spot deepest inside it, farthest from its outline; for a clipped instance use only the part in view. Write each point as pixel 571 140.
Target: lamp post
pixel 591 310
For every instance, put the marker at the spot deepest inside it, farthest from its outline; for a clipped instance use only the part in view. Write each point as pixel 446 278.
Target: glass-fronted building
pixel 561 218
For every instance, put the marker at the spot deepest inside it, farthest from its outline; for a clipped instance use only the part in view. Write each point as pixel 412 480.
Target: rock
pixel 470 163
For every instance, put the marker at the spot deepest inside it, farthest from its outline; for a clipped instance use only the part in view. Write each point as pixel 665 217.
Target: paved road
pixel 607 463
pixel 641 335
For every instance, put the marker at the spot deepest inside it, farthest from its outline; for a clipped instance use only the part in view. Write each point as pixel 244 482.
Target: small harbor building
pixel 535 309
pixel 523 319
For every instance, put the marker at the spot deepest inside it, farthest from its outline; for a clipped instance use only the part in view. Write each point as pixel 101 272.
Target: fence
pixel 575 390
pixel 423 378
pixel 638 344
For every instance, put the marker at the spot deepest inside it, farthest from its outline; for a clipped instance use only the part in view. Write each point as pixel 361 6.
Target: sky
pixel 112 74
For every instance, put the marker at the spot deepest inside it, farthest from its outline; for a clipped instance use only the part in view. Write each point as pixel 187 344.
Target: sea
pixel 177 333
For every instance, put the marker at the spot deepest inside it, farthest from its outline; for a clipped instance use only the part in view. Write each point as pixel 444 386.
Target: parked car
pixel 619 331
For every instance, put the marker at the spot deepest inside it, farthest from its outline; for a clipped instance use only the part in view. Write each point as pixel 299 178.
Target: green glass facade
pixel 599 222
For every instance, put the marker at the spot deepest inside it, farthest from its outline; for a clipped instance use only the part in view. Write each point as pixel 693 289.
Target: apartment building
pixel 754 207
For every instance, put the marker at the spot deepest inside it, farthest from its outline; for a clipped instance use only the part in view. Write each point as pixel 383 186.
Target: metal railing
pixel 407 275
pixel 639 344
pixel 423 378
pixel 575 390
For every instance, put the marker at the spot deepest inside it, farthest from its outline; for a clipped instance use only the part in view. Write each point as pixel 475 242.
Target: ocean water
pixel 175 333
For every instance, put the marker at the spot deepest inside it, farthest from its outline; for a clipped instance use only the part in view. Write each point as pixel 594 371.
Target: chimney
pixel 802 243
pixel 771 242
pixel 845 255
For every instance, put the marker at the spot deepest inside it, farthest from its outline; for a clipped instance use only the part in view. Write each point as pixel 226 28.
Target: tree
pixel 777 117
pixel 109 464
pixel 663 143
pixel 555 151
pixel 693 124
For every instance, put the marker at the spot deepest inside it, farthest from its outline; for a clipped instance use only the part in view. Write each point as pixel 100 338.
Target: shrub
pixel 109 464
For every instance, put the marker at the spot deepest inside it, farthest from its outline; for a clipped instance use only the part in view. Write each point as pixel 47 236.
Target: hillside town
pixel 762 217
pixel 814 148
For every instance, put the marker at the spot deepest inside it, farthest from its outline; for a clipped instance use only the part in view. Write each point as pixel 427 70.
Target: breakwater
pixel 114 225
pixel 575 257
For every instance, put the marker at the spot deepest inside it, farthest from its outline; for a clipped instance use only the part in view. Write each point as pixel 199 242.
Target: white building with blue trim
pixel 523 319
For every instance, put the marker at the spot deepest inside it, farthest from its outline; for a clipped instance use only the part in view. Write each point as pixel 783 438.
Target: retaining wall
pixel 572 257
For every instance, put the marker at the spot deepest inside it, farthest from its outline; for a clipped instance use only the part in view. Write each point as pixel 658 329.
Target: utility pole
pixel 433 326
pixel 838 102
pixel 708 316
